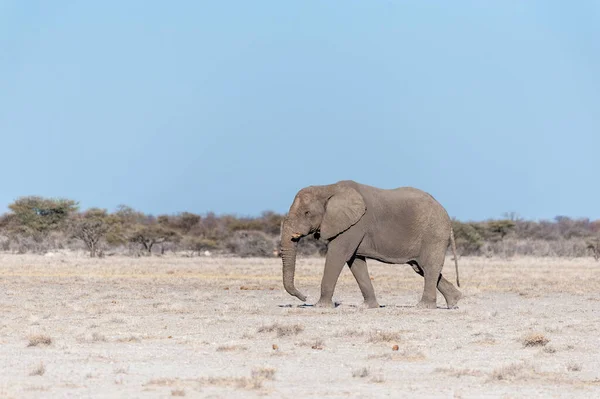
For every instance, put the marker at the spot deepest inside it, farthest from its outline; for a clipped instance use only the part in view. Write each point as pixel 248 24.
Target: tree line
pixel 39 225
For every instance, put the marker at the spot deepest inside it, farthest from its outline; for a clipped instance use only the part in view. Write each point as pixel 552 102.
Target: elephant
pixel 358 222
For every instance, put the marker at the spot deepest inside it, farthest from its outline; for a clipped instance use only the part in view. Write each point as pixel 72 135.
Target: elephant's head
pixel 325 210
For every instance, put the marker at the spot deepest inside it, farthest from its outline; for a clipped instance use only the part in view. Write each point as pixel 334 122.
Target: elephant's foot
pixel 453 298
pixel 325 303
pixel 423 304
pixel 370 304
pixel 450 293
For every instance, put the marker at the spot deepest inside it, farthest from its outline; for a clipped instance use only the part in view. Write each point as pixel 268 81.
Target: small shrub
pixel 458 373
pixel 362 372
pixel 509 373
pixel 121 370
pixel 38 370
pixel 535 340
pixel 382 336
pixel 231 348
pixel 574 366
pixel 282 330
pixel 318 344
pixel 264 373
pixel 97 337
pixel 39 340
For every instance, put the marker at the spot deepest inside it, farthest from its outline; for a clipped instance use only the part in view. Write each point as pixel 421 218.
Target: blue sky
pixel 232 106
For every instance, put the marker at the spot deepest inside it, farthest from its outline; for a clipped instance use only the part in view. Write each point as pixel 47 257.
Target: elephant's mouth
pixel 297 236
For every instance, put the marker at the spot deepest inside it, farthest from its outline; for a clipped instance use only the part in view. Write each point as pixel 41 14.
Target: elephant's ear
pixel 343 210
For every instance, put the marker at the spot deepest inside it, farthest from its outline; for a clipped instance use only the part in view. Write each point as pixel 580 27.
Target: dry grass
pixel 129 338
pixel 122 370
pixel 258 376
pixel 95 337
pixel 282 330
pixel 231 348
pixel 362 372
pixel 350 333
pixel 535 339
pixel 460 372
pixel 265 373
pixel 256 381
pixel 410 354
pixel 383 336
pixel 39 340
pixel 162 382
pixel 318 344
pixel 512 372
pixel 233 382
pixel 572 366
pixel 40 370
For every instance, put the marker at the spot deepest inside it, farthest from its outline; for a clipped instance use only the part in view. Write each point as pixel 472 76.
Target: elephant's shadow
pixel 305 305
pixel 338 304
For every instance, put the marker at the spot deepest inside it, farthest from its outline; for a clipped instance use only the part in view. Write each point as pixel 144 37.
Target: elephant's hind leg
pixel 430 264
pixel 358 267
pixel 448 290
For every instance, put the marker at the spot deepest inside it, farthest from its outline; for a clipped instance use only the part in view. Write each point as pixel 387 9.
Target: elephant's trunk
pixel 288 255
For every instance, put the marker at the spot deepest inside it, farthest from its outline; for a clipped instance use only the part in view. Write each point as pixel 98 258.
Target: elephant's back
pixel 405 205
pixel 421 202
pixel 409 208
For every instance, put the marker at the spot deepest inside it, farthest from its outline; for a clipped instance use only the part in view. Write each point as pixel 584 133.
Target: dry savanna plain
pixel 210 327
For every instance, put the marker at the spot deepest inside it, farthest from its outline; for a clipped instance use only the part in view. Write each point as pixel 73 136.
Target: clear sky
pixel 233 106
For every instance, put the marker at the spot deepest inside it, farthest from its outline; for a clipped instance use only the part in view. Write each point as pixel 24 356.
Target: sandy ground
pixel 224 327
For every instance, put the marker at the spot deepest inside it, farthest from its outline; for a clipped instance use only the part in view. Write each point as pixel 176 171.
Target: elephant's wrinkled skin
pixel 403 225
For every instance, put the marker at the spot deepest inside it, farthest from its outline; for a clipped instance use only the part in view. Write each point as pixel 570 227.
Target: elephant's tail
pixel 453 243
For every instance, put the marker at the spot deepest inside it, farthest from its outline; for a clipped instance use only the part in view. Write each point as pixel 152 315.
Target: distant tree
pixel 512 216
pixel 213 227
pixel 148 236
pixel 251 243
pixel 501 227
pixel 467 237
pixel 90 228
pixel 38 215
pixel 123 222
pixel 185 221
pixel 163 220
pixel 593 245
pixel 129 216
pixel 197 244
pixel 595 226
pixel 271 222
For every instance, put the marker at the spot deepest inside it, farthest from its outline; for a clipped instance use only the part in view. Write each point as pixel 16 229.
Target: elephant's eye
pixel 306 213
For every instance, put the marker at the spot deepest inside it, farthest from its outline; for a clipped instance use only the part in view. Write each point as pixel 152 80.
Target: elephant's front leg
pixel 358 267
pixel 334 263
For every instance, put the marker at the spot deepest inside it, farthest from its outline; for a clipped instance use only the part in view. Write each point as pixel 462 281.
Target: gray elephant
pixel 402 225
